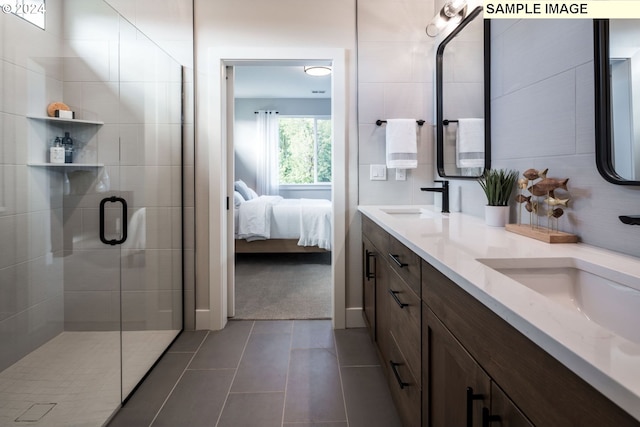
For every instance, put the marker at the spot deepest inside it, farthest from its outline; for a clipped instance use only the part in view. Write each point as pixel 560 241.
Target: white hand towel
pixel 470 143
pixel 402 147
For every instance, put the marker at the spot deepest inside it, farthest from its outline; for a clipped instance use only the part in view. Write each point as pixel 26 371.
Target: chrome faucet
pixel 445 193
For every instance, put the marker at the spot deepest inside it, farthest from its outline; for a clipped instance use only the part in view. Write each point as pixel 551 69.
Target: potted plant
pixel 498 184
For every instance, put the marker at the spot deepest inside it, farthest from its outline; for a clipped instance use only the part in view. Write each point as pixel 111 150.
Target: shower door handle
pixel 103 239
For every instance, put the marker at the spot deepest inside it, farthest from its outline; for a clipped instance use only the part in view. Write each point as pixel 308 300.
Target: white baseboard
pixel 203 319
pixel 354 318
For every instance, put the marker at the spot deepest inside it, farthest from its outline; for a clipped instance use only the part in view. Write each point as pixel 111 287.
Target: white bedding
pixel 272 217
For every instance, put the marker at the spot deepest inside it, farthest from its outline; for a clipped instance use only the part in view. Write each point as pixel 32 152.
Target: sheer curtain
pixel 267 138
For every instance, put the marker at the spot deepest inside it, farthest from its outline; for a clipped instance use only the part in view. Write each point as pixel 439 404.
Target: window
pixel 29 10
pixel 305 150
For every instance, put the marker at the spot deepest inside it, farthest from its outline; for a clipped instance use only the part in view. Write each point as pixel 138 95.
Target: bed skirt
pixel 274 246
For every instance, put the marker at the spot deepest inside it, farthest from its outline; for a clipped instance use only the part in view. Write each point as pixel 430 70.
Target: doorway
pixel 221 132
pixel 281 143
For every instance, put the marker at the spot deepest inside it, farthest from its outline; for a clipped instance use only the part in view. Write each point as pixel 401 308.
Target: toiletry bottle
pixel 56 152
pixel 67 142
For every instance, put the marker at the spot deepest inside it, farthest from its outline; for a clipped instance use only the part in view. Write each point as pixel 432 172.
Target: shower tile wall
pixel 31 282
pixel 170 24
pixel 48 280
pixel 151 172
pixel 91 72
pixel 145 166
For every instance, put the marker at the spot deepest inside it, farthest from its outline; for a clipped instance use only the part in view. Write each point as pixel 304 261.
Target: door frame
pixel 221 253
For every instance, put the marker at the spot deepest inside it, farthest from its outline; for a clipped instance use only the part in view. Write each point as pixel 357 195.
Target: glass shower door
pixel 151 181
pixel 90 252
pixel 60 352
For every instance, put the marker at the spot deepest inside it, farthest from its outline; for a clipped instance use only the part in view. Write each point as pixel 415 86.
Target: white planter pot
pixel 496 216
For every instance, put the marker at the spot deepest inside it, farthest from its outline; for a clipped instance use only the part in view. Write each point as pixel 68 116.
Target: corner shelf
pixel 58 119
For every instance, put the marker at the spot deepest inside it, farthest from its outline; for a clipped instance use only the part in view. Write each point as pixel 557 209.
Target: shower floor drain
pixel 35 412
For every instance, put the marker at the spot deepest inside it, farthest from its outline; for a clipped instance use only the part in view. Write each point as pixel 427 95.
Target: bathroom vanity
pixel 466 337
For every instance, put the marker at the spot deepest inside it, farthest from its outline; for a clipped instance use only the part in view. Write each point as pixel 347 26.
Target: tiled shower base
pixel 74 379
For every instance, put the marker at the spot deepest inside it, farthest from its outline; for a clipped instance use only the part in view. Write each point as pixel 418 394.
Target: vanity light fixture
pixel 452 11
pixel 317 70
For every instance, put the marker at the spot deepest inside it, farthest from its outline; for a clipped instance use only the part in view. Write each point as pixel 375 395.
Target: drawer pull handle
pixel 397 261
pixel 394 294
pixel 470 398
pixel 487 418
pixel 394 367
pixel 368 274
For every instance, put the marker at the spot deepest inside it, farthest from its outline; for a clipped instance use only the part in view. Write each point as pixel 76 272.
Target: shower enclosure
pixel 90 251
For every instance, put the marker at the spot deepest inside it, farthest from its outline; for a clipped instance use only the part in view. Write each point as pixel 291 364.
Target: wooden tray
pixel 541 233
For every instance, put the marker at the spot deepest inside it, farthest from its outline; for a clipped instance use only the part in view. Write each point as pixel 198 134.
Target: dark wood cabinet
pixel 455 388
pixel 452 362
pixel 538 389
pixel 369 277
pixel 503 411
pixel 396 328
pixel 405 388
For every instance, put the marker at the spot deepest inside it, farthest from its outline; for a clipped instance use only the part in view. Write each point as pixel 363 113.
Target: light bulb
pixel 449 14
pixel 453 7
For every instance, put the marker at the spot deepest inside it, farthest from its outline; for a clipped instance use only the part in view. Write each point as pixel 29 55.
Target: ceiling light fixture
pixel 452 12
pixel 317 70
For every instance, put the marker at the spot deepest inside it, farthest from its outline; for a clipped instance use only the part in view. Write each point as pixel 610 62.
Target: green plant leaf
pixel 498 184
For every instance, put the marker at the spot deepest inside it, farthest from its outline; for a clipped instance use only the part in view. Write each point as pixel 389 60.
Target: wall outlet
pixel 401 174
pixel 378 172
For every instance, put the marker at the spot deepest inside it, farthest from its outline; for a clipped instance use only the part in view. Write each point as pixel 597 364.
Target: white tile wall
pixel 31 266
pixel 395 80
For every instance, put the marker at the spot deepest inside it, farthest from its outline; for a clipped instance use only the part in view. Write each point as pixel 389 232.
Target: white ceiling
pixel 277 81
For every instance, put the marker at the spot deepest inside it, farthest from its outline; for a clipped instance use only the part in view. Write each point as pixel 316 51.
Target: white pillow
pixel 237 199
pixel 243 189
pixel 253 194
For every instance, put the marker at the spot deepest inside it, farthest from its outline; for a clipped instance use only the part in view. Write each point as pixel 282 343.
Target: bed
pixel 275 224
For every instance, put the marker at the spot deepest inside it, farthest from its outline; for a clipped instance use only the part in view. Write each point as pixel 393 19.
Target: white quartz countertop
pixel 454 242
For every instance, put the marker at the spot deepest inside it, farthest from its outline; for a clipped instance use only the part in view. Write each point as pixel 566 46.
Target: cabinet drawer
pixel 375 234
pixel 405 262
pixel 404 310
pixel 405 390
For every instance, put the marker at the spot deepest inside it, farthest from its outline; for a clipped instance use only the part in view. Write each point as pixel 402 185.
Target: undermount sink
pixel 411 212
pixel 604 296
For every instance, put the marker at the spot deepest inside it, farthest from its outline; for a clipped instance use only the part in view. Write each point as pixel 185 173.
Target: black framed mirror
pixel 617 98
pixel 463 125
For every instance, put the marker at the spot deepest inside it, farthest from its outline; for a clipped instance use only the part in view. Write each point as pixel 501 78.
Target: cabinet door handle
pixel 368 274
pixel 123 238
pixel 487 418
pixel 470 398
pixel 397 261
pixel 394 294
pixel 394 367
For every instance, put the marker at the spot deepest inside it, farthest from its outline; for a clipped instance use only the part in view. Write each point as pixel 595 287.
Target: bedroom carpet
pixel 283 286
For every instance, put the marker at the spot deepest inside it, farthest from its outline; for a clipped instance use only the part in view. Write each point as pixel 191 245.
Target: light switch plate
pixel 378 172
pixel 401 174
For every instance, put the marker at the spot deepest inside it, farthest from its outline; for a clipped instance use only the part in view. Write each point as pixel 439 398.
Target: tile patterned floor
pixel 74 379
pixel 265 373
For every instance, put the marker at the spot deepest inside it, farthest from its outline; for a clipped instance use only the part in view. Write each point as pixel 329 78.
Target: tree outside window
pixel 305 150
